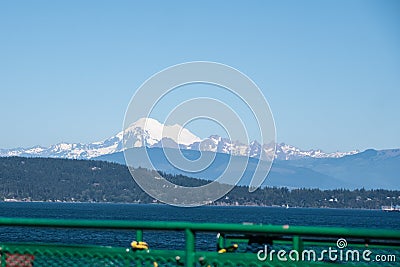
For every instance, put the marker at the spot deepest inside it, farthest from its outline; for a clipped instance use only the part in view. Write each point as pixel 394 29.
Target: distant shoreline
pixel 162 204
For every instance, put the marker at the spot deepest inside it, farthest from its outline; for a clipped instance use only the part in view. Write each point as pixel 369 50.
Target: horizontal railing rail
pixel 205 227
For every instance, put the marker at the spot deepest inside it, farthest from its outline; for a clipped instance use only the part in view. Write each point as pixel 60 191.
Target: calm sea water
pixel 371 219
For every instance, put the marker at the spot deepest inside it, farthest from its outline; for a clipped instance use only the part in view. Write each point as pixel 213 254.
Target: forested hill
pixel 47 179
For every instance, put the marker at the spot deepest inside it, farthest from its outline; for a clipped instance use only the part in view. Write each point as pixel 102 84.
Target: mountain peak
pixel 153 132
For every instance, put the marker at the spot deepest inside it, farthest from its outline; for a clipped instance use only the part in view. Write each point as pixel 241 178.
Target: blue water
pixel 371 219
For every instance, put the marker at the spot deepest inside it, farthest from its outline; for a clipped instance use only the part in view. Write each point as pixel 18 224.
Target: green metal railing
pixel 236 245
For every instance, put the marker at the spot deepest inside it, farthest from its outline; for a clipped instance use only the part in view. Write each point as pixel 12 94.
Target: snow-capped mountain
pixel 69 150
pixel 151 133
pixel 288 152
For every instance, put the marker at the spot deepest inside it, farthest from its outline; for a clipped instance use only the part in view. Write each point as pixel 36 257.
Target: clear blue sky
pixel 329 69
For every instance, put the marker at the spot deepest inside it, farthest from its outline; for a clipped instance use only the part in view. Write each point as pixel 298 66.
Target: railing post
pixel 190 244
pixel 139 235
pixel 220 241
pixel 298 244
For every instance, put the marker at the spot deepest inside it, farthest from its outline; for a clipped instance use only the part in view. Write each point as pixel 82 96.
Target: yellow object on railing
pixel 232 248
pixel 139 245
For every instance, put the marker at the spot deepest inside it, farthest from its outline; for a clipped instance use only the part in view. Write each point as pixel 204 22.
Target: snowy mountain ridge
pixel 151 133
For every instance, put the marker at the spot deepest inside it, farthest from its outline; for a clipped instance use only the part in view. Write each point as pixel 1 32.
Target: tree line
pixel 49 179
